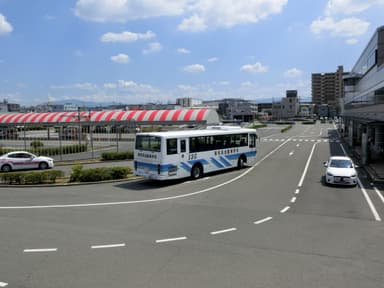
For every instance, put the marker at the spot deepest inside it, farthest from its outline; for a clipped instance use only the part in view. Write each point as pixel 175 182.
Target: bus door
pixel 183 149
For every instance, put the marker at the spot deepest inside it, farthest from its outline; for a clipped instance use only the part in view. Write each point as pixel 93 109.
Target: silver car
pixel 20 160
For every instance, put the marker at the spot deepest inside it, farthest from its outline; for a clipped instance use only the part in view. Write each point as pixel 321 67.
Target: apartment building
pixel 328 89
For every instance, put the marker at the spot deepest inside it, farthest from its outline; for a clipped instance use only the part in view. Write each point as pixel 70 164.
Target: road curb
pixel 68 184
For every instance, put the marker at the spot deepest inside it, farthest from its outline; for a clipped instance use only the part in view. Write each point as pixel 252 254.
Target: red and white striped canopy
pixel 179 115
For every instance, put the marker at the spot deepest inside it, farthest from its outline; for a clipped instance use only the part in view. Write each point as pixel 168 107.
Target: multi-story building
pixel 237 109
pixel 5 106
pixel 328 88
pixel 288 107
pixel 363 111
pixel 188 102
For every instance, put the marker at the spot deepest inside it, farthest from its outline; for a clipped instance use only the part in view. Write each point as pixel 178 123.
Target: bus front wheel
pixel 197 171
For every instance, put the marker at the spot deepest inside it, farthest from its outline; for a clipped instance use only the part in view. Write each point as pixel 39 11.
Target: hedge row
pixel 98 174
pixel 286 128
pixel 32 177
pixel 256 126
pixel 105 156
pixel 51 151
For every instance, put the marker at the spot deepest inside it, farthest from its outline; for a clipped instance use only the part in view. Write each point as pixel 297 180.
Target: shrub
pixel 256 126
pixel 76 172
pixel 286 128
pixel 32 177
pixel 36 144
pixel 98 174
pixel 105 156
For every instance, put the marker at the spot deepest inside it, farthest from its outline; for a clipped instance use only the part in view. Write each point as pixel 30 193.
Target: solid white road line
pixel 40 250
pixel 306 166
pixel 293 200
pixel 379 194
pixel 223 231
pixel 108 246
pixel 285 209
pixel 3 284
pixel 171 239
pixel 153 199
pixel 365 194
pixel 263 220
pixel 369 201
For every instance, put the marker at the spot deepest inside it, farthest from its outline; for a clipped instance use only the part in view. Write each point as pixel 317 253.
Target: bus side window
pixel 171 146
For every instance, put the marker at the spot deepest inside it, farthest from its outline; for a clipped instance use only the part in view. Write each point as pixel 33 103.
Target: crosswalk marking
pixel 302 140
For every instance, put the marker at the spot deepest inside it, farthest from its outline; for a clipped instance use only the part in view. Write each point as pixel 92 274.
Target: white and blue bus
pixel 191 153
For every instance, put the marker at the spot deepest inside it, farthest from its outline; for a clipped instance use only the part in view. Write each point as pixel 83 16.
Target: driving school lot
pixel 273 225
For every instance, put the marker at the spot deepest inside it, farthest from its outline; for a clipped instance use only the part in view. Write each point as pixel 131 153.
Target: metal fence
pixel 69 142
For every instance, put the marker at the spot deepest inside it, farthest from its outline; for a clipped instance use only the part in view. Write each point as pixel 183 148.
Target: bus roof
pixel 225 130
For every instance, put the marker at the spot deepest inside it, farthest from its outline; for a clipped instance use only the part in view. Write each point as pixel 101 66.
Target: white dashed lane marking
pixel 40 250
pixel 171 239
pixel 3 284
pixel 285 209
pixel 108 246
pixel 223 231
pixel 263 220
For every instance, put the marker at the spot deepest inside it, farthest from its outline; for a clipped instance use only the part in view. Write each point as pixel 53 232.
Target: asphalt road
pixel 272 225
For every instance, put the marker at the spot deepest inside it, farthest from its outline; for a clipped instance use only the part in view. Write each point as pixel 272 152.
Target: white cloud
pixel 213 59
pixel 183 51
pixel 110 85
pixel 5 26
pixel 126 84
pixel 351 41
pixel 126 36
pixel 120 58
pixel 254 68
pixel 349 7
pixel 194 23
pixel 228 13
pixel 293 73
pixel 345 28
pixel 127 10
pixel 247 84
pixel 85 86
pixel 199 15
pixel 153 48
pixel 184 87
pixel 194 68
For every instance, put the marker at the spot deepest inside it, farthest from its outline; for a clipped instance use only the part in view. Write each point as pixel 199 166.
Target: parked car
pixel 19 160
pixel 340 170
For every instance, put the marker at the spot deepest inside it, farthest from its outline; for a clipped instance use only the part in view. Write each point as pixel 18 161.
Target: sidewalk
pixel 375 170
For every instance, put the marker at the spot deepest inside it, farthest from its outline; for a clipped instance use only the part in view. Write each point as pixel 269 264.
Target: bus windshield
pixel 148 143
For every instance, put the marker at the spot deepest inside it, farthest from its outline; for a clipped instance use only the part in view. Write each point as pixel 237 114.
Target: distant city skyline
pixel 137 51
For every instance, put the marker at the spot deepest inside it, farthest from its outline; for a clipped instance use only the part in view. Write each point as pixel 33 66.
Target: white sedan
pixel 340 170
pixel 18 160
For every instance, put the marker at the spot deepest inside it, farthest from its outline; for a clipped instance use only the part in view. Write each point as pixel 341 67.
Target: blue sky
pixel 138 51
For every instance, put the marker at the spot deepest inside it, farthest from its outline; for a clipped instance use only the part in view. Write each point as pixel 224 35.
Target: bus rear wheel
pixel 241 162
pixel 197 171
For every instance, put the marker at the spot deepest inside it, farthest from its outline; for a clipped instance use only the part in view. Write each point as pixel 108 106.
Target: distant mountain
pixel 83 103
